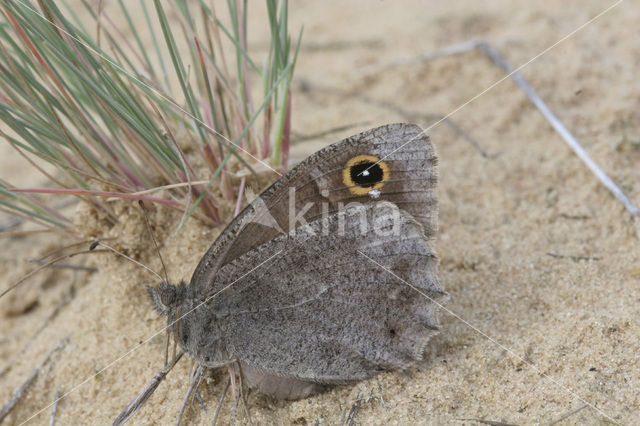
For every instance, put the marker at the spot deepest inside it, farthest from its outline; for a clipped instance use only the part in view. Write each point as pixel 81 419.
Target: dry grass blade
pixel 488 422
pixel 44 266
pixel 19 392
pixel 567 415
pixel 146 393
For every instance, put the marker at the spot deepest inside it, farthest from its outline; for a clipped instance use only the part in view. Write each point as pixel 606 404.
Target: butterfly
pixel 327 277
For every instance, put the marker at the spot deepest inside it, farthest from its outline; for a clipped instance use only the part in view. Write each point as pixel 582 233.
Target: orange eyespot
pixel 364 173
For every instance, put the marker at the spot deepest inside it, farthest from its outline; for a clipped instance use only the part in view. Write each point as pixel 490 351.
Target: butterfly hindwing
pixel 330 307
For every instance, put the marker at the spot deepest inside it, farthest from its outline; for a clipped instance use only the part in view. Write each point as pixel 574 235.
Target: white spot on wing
pixel 374 193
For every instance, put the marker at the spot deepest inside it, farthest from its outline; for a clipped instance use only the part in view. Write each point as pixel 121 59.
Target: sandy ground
pixel 540 260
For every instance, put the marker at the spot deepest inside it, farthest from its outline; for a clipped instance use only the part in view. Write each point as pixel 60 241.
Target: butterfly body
pixel 328 277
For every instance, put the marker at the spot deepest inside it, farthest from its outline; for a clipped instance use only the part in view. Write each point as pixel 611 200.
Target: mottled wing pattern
pixel 321 310
pixel 410 164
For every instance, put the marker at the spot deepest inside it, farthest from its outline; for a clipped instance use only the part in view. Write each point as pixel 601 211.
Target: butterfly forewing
pixel 394 163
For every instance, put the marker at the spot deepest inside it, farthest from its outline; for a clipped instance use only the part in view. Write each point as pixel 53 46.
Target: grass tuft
pixel 92 110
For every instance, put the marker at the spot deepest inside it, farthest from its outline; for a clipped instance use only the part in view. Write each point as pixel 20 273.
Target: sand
pixel 541 262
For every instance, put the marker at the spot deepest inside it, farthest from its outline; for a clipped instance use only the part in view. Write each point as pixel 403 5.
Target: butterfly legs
pixel 224 393
pixel 235 370
pixel 236 389
pixel 196 380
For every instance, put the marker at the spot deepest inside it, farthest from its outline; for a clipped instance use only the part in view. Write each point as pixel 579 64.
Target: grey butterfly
pixel 342 288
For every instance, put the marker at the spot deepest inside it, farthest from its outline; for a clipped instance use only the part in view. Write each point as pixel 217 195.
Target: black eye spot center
pixel 392 332
pixel 366 174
